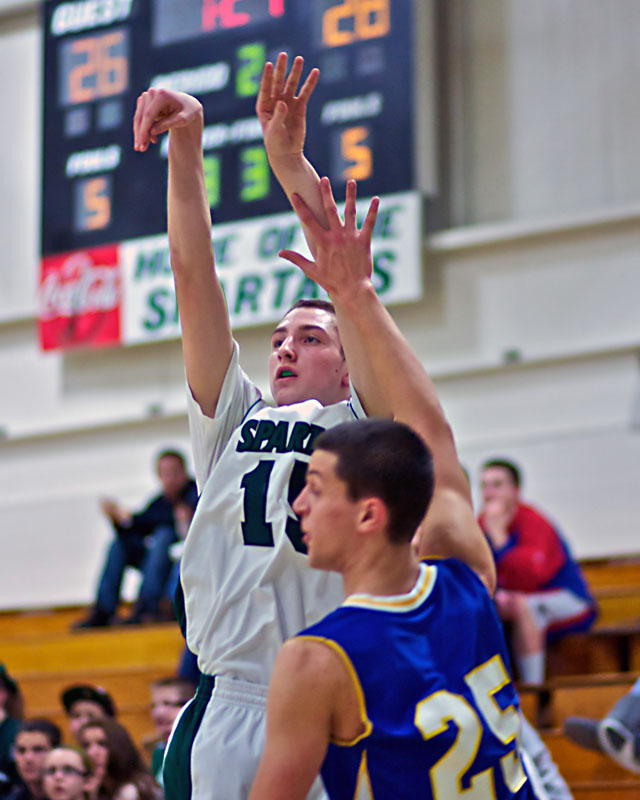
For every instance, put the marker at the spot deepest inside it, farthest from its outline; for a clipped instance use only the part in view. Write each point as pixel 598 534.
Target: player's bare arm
pixel 300 711
pixel 282 111
pixel 389 378
pixel 206 331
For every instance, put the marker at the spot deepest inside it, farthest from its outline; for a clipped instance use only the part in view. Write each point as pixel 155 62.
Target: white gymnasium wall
pixel 530 319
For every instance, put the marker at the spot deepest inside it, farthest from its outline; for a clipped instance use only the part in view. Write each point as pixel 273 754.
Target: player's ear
pixel 344 381
pixel 373 514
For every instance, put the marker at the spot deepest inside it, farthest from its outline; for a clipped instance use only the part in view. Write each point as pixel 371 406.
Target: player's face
pixel 328 516
pixel 30 750
pixel 64 775
pixel 497 486
pixel 306 360
pixel 166 702
pixel 83 711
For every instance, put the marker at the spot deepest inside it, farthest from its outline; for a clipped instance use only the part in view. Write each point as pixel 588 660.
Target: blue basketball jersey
pixel 440 714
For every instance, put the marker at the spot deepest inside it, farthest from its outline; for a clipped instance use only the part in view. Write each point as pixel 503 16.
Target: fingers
pixel 295 258
pixel 264 92
pixel 370 220
pixel 329 203
pixel 306 216
pixel 280 70
pixel 141 123
pixel 294 78
pixel 280 113
pixel 350 205
pixel 309 85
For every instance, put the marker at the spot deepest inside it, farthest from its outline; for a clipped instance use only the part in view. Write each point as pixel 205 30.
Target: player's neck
pixel 393 571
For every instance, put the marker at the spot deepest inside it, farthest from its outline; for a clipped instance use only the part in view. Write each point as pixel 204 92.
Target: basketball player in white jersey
pixel 246 582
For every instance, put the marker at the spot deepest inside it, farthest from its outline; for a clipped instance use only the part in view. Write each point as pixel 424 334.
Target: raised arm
pixel 206 332
pixel 387 375
pixel 282 114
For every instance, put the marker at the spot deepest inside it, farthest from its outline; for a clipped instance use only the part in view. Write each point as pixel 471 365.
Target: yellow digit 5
pixel 97 204
pixel 485 682
pixel 355 150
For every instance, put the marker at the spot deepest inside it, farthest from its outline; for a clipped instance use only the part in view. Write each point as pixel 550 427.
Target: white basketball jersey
pixel 244 572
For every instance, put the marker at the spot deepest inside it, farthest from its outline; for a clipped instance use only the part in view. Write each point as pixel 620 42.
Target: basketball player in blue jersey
pixel 244 571
pixel 403 691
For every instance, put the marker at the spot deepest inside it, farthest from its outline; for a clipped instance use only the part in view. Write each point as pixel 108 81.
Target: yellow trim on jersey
pixel 357 686
pixel 404 602
pixel 364 790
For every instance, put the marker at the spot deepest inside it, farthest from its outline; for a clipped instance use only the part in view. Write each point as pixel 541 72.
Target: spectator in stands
pixel 85 703
pixel 541 590
pixel 10 715
pixel 34 740
pixel 118 767
pixel 66 774
pixel 168 697
pixel 617 734
pixel 143 540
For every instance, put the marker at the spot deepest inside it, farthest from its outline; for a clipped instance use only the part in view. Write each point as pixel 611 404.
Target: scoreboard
pixel 100 54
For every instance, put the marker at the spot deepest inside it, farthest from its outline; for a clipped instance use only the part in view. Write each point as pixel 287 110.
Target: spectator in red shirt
pixel 541 590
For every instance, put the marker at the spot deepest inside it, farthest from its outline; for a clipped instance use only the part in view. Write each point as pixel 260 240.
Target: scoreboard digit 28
pixel 100 54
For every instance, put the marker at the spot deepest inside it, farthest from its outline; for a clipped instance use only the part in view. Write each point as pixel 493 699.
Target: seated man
pixel 541 590
pixel 403 691
pixel 85 703
pixel 143 541
pixel 617 734
pixel 35 738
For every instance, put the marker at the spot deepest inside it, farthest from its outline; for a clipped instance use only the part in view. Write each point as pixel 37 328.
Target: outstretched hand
pixel 161 110
pixel 342 252
pixel 281 112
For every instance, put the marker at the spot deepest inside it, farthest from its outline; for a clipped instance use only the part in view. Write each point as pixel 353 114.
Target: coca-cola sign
pixel 80 299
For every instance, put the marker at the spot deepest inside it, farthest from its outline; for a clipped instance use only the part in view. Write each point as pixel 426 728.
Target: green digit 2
pixel 251 58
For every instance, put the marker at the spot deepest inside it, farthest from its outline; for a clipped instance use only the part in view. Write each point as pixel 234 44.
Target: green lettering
pixel 314 432
pixel 264 432
pixel 298 435
pixel 382 264
pixel 221 249
pixel 278 440
pixel 384 224
pixel 247 436
pixel 156 303
pixel 281 276
pixel 308 289
pixel 268 245
pixel 249 287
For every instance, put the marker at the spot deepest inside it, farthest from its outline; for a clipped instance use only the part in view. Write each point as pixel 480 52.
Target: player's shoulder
pixel 456 573
pixel 304 657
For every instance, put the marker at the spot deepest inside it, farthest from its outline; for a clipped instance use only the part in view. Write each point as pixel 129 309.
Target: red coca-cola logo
pixel 80 299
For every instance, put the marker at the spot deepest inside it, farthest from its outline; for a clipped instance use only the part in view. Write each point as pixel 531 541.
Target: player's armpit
pixel 450 530
pixel 299 712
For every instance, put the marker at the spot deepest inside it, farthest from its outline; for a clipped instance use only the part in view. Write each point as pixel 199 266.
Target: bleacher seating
pixel 44 656
pixel 587 673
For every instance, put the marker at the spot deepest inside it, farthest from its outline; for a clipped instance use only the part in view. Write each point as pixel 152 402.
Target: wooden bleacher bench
pixel 547 705
pixel 44 655
pixel 613 644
